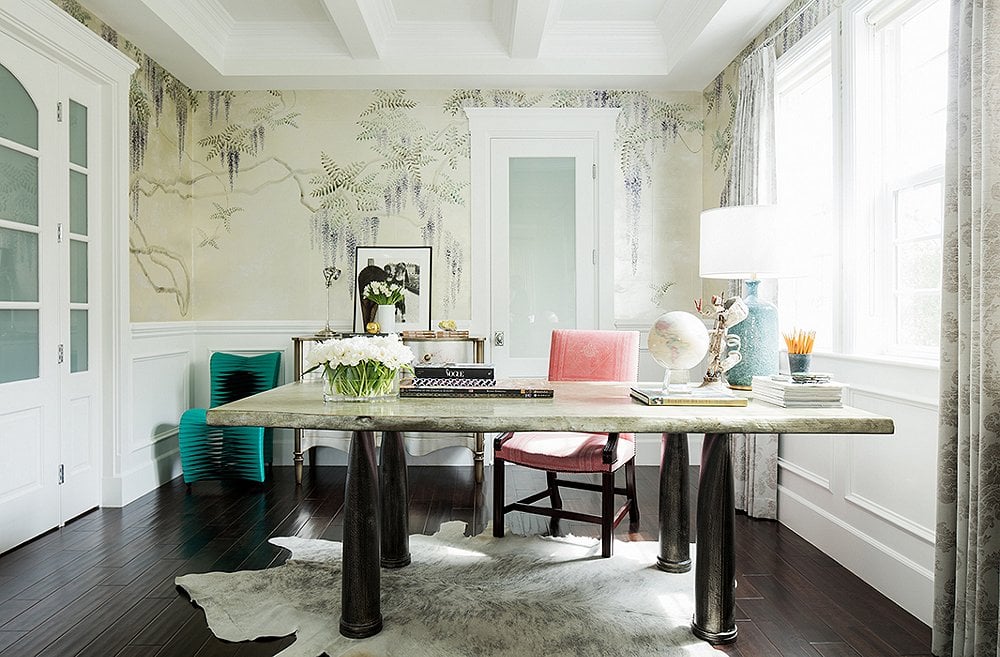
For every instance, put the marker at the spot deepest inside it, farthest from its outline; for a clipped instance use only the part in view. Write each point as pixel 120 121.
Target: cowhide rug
pixel 478 595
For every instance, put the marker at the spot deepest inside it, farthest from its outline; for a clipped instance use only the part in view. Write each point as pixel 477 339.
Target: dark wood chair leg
pixel 498 497
pixel 556 501
pixel 633 502
pixel 607 512
pixel 550 478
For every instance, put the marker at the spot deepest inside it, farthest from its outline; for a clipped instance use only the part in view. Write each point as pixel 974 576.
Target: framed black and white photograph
pixel 407 266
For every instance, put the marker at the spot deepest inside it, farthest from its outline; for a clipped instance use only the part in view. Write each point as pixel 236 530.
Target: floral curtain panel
pixel 750 181
pixel 967 560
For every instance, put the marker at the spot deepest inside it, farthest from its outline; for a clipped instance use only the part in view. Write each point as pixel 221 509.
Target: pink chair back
pixel 584 355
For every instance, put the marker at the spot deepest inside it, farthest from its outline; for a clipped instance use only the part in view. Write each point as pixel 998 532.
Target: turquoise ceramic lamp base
pixel 758 335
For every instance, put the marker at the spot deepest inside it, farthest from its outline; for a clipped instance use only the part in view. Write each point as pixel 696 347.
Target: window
pixel 860 150
pixel 807 161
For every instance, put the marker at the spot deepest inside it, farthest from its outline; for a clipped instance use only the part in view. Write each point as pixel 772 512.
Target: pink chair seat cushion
pixel 564 451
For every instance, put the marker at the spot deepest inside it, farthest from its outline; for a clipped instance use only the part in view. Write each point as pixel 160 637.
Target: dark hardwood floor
pixel 103 584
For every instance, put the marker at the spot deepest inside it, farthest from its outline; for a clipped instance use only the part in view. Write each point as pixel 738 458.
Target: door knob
pixel 498 339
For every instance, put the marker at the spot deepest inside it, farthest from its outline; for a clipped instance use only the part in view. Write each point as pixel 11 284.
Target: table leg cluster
pixel 372 529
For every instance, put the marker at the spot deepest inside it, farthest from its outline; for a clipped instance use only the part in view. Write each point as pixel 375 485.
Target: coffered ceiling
pixel 336 44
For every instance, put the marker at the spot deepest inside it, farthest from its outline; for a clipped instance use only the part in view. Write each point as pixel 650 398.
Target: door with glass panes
pixel 49 401
pixel 544 249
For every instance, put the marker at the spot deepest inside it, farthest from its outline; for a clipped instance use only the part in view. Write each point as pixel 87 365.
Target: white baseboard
pixel 904 581
pixel 130 486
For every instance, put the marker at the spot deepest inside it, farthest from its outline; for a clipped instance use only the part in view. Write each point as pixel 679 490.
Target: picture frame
pixel 408 265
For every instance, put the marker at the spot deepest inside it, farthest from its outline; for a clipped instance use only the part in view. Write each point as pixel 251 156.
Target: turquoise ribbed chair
pixel 229 452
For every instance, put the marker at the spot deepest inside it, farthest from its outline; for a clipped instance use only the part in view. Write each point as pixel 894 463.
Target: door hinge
pixel 593 171
pixel 59 233
pixel 62 474
pixel 61 354
pixel 593 256
pixel 59 112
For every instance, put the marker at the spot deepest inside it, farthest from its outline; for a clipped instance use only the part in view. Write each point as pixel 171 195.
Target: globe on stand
pixel 678 341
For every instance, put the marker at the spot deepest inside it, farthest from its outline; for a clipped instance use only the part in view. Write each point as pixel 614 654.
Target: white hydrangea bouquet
pixel 383 293
pixel 361 368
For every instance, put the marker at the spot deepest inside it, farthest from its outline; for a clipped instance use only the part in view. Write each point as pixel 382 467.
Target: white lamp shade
pixel 742 242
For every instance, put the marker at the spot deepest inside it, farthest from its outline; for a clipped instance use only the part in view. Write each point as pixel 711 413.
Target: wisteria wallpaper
pixel 240 199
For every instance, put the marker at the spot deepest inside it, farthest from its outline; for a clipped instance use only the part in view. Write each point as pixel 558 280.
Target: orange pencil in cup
pixel 800 344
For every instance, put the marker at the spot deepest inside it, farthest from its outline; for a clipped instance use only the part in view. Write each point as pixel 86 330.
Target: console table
pixel 436 349
pixel 599 407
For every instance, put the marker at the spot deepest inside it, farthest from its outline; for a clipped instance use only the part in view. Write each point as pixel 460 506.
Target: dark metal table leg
pixel 394 498
pixel 675 529
pixel 297 457
pixel 715 568
pixel 360 609
pixel 478 456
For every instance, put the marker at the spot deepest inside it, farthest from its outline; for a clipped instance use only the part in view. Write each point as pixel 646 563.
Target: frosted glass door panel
pixel 18 187
pixel 78 341
pixel 542 227
pixel 18 115
pixel 77 271
pixel 18 345
pixel 77 203
pixel 18 265
pixel 77 133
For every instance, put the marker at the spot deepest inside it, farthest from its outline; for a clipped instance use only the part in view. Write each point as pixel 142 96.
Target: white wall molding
pixel 154 330
pixel 804 473
pixel 925 534
pixel 854 392
pixel 906 582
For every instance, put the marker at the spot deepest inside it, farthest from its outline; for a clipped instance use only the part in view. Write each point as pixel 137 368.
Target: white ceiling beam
pixel 682 21
pixel 528 24
pixel 360 25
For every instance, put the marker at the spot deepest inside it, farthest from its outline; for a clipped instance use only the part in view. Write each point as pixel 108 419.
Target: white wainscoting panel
pixel 162 394
pixel 875 515
pixel 809 457
pixel 907 460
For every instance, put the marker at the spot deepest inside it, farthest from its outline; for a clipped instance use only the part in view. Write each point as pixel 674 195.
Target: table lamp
pixel 743 242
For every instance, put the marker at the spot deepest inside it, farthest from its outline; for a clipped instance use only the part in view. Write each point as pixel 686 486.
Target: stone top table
pixel 600 407
pixel 576 406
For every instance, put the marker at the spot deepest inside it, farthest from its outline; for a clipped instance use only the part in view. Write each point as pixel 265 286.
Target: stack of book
pixel 463 380
pixel 818 391
pixel 477 375
pixel 711 395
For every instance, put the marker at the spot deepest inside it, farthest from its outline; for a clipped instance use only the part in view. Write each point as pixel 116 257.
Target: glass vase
pixel 369 380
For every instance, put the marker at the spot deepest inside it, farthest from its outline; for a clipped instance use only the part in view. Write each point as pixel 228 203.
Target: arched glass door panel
pixel 19 295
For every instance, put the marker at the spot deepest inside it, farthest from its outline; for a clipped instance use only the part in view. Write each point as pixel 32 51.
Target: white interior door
pixel 29 288
pixel 544 248
pixel 49 295
pixel 79 299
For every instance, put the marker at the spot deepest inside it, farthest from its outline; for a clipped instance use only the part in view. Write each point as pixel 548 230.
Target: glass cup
pixel 799 363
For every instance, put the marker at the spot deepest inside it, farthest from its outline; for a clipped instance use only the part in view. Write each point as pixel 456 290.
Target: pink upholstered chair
pixel 576 355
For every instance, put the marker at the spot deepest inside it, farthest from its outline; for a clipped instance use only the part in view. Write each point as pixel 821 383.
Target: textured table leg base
pixel 397 562
pixel 361 631
pixel 715 638
pixel 673 566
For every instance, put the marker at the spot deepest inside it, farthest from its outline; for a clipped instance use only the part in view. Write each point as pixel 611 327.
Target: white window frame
pixel 794 66
pixel 864 205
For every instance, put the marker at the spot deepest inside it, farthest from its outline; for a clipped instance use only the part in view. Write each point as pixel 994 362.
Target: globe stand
pixel 676 382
